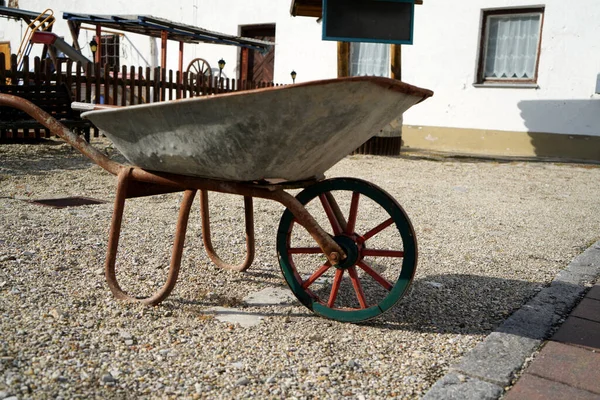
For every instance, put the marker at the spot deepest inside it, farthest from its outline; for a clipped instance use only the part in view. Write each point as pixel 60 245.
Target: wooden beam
pixel 343 59
pixel 314 8
pixel 74 29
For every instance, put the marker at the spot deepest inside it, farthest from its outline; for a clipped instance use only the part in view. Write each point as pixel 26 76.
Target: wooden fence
pixel 118 86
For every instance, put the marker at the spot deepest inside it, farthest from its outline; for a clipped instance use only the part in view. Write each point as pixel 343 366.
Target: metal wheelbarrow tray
pixel 287 133
pixel 346 248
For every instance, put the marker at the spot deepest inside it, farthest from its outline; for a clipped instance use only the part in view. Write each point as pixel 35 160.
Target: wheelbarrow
pixel 346 248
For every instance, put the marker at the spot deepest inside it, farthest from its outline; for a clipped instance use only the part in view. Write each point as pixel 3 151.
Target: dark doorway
pixel 254 65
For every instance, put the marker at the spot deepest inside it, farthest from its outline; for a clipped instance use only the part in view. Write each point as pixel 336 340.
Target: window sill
pixel 507 85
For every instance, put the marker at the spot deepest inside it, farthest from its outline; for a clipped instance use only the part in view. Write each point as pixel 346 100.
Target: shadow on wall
pixel 563 128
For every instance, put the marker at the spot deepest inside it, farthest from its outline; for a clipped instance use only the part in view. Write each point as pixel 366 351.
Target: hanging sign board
pixel 376 21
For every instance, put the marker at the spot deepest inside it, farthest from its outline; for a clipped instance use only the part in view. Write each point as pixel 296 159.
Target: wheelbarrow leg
pixel 206 238
pixel 113 243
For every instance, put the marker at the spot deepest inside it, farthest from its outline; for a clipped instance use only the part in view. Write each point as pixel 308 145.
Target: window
pixel 110 50
pixel 510 46
pixel 371 59
pixel 354 59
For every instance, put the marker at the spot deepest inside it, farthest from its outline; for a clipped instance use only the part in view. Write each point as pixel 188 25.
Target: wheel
pixel 199 67
pixel 376 236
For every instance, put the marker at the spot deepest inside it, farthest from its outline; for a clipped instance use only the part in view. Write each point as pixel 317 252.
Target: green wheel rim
pixel 400 221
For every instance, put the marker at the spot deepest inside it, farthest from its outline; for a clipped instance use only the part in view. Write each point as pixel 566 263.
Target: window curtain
pixel 372 59
pixel 512 46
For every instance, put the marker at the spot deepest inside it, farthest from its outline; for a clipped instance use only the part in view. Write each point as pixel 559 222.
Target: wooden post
pixel 107 83
pixel 148 99
pixel 123 83
pixel 396 61
pixel 132 85
pixel 140 88
pixel 97 87
pixel 99 42
pixel 163 50
pixel 343 59
pixel 170 85
pixel 181 57
pixel 115 83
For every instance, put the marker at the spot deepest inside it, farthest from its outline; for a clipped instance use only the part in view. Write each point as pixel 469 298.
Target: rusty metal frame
pixel 206 238
pixel 136 182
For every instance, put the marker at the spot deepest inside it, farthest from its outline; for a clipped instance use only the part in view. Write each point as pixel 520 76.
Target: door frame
pixel 257 30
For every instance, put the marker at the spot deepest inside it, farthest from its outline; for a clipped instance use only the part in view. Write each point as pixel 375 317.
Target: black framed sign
pixel 377 21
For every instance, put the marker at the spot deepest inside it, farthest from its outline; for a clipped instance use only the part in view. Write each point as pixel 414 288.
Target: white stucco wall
pixel 299 46
pixel 444 59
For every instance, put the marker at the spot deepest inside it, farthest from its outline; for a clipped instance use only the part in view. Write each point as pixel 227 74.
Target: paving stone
pixel 533 320
pixel 562 295
pixel 577 275
pixel 498 357
pixel 594 292
pixel 588 309
pixel 271 296
pixel 573 366
pixel 236 316
pixel 459 387
pixel 580 332
pixel 530 387
pixel 590 257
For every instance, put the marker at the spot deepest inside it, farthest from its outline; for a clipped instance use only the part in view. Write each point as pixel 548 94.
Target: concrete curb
pixel 485 371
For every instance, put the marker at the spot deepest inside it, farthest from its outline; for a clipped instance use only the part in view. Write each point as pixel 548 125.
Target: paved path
pixel 567 364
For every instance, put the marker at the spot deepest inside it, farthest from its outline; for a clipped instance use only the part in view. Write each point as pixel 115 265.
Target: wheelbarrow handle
pixel 61 130
pixel 79 106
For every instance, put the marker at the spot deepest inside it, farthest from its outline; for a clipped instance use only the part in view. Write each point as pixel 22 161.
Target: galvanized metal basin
pixel 287 133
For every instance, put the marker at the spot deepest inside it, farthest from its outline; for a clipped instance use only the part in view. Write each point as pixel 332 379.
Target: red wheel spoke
pixel 353 212
pixel 335 224
pixel 378 229
pixel 305 250
pixel 382 253
pixel 316 275
pixel 360 294
pixel 337 281
pixel 380 279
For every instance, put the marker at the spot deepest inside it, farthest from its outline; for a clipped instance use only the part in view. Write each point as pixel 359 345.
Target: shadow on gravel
pixel 441 304
pixel 458 304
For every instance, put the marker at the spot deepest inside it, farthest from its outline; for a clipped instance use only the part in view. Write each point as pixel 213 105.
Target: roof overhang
pixel 307 8
pixel 313 8
pixel 153 26
pixel 17 13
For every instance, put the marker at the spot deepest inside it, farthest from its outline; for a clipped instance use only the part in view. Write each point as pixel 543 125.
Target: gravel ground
pixel 491 234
